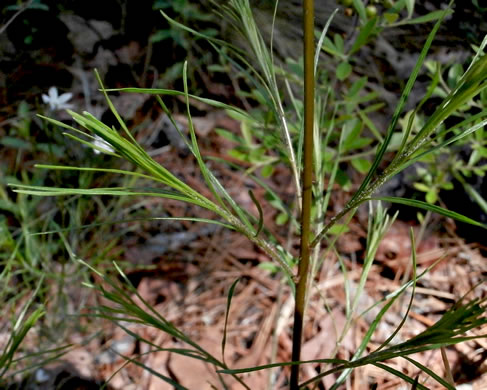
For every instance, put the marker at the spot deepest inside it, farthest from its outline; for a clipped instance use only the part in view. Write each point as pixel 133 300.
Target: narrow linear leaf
pixel 229 302
pixel 260 224
pixel 198 34
pixel 435 15
pixel 429 93
pixel 88 169
pixel 52 357
pixel 449 140
pixel 397 113
pixel 432 208
pixel 174 123
pixel 365 340
pixel 365 33
pixel 17 336
pixel 403 320
pixel 399 374
pixel 91 145
pixel 269 191
pixel 431 373
pixel 415 384
pixel 59 351
pixel 474 194
pixel 322 37
pixel 171 92
pixel 57 123
pixel 472 83
pixel 116 114
pixel 166 379
pixel 285 364
pixel 91 225
pixel 113 191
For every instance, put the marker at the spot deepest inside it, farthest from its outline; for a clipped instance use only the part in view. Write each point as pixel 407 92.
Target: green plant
pixel 341 85
pixel 18 332
pixel 188 13
pixel 29 37
pixel 13 358
pixel 36 276
pixel 312 197
pixel 444 165
pixel 388 13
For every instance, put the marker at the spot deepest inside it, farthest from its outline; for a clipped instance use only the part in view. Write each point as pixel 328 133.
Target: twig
pixel 22 9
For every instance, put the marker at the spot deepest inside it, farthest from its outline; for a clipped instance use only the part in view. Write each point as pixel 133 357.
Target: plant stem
pixel 303 270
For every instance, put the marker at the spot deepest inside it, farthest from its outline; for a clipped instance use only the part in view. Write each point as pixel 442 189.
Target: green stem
pixel 303 270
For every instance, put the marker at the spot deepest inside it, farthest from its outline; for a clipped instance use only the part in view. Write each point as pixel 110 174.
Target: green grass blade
pixel 227 312
pixel 241 212
pixel 399 374
pixel 334 169
pixel 363 344
pixel 194 32
pixel 431 373
pixel 285 364
pixel 88 169
pixel 470 190
pixel 174 123
pixel 403 320
pixel 281 206
pixel 379 223
pixel 16 337
pixel 191 353
pixel 171 92
pixel 397 113
pixel 47 351
pixel 346 280
pixel 135 154
pixel 322 37
pixel 473 83
pixel 196 151
pixel 116 114
pixel 365 32
pixel 449 140
pixel 166 379
pixel 260 224
pixel 91 145
pixel 156 319
pixel 426 18
pixel 55 357
pixel 113 191
pixel 429 207
pixel 244 17
pixel 61 124
pixel 92 225
pixel 429 93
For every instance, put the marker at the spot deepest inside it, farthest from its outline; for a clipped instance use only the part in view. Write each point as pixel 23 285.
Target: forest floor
pixel 185 269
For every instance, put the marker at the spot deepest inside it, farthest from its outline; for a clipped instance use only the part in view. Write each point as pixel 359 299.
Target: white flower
pixel 42 376
pixel 57 102
pixel 102 144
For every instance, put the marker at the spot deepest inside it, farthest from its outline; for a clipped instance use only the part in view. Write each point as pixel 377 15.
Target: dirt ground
pixel 184 269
